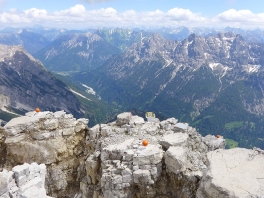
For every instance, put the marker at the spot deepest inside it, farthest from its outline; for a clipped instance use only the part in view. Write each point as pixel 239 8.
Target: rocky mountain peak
pixel 27 84
pixel 7 54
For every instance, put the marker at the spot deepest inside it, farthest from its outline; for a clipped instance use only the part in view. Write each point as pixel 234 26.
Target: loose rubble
pixel 24 181
pixel 109 160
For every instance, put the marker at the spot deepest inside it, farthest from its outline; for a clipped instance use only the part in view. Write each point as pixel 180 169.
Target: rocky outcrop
pixel 109 160
pixel 24 181
pixel 55 139
pixel 171 165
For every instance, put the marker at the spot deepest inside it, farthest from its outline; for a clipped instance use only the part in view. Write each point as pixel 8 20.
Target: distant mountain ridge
pixel 31 41
pixel 76 52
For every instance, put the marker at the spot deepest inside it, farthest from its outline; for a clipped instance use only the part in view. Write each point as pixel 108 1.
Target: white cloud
pixel 242 18
pixel 79 17
pixel 77 10
pixel 179 14
pixel 36 13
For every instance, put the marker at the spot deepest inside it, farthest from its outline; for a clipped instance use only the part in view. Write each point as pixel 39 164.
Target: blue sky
pixel 81 14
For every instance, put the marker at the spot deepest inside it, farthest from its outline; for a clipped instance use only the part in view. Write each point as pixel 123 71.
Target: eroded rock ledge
pixel 108 160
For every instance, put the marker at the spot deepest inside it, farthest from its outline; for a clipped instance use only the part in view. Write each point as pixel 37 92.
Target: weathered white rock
pixel 235 172
pixel 106 131
pixel 174 139
pixel 28 182
pixel 116 151
pixel 81 125
pixel 123 118
pixel 180 127
pixel 55 139
pixel 176 159
pixel 108 160
pixel 214 143
pixel 136 120
pixel 151 128
pixel 92 165
pixel 142 176
pixel 20 124
pixel 4 181
pixel 94 131
pixel 151 154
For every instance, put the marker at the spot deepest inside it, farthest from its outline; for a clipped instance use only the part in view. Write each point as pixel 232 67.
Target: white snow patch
pixel 4 109
pixel 89 89
pixel 75 92
pixel 213 65
pixel 189 43
pixel 252 68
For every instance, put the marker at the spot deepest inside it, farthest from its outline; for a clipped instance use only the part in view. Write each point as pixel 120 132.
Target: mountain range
pixel 26 84
pixel 31 41
pixel 210 79
pixel 215 83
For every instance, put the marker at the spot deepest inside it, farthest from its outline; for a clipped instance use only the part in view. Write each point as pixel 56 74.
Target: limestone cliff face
pixel 109 160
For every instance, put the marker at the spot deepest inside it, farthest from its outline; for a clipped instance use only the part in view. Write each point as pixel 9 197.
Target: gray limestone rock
pixel 109 160
pixel 174 139
pixel 123 118
pixel 24 181
pixel 214 143
pixel 235 172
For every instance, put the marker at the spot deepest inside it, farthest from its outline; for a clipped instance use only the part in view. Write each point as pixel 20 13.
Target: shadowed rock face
pixel 109 160
pixel 27 84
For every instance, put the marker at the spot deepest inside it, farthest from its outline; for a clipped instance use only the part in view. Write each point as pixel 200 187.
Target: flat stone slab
pixel 175 139
pixel 235 172
pixel 151 154
pixel 183 126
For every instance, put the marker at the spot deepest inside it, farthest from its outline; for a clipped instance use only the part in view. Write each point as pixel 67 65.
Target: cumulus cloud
pixel 241 18
pixel 79 17
pixel 179 14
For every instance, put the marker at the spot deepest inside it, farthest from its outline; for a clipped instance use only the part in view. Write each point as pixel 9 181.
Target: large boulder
pixel 235 172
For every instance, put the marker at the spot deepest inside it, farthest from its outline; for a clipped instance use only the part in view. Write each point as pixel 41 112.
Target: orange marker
pixel 218 136
pixel 37 110
pixel 145 143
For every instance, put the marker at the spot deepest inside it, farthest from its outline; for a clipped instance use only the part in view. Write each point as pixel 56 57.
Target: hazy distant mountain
pixel 180 33
pixel 122 38
pixel 31 41
pixel 25 84
pixel 216 83
pixel 76 52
